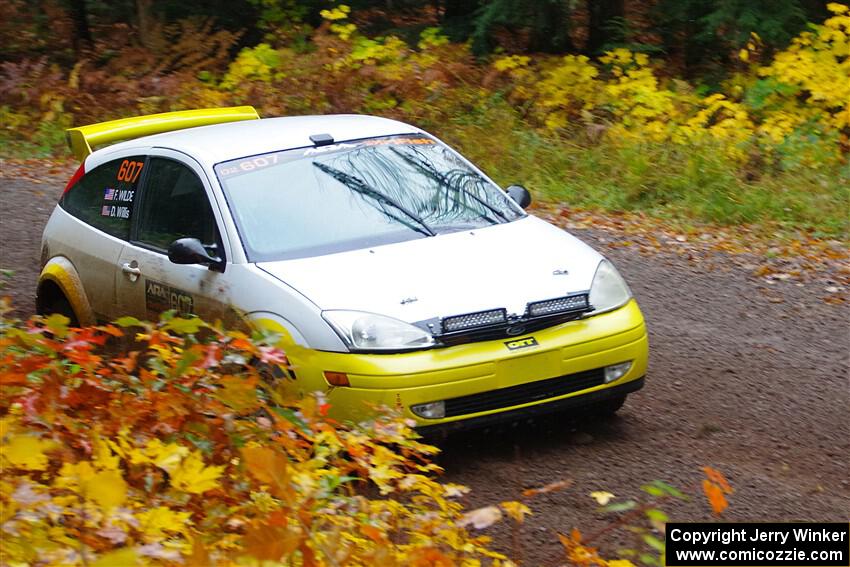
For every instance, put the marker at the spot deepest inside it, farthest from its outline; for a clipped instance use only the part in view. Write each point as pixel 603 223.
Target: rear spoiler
pixel 82 138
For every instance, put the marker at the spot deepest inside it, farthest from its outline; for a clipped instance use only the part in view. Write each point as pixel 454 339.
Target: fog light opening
pixel 431 410
pixel 616 371
pixel 336 378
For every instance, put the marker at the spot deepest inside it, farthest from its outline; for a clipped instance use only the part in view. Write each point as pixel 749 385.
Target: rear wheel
pixel 51 300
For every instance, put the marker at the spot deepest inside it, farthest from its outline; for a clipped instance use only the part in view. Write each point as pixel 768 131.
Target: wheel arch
pixel 267 321
pixel 60 275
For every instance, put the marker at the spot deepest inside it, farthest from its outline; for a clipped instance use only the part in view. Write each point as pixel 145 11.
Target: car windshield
pixel 338 197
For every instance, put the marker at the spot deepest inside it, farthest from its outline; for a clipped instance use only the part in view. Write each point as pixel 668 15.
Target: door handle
pixel 132 270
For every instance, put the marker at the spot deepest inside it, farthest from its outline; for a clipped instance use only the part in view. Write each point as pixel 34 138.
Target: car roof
pixel 221 142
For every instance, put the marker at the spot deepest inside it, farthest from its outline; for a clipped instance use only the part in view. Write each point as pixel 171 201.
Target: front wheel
pixel 608 407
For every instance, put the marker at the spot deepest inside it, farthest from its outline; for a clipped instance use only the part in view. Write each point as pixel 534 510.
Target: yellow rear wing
pixel 82 138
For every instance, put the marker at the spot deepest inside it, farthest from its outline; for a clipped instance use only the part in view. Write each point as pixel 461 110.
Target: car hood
pixel 506 265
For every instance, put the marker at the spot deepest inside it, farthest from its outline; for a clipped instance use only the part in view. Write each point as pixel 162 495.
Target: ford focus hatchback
pixel 395 272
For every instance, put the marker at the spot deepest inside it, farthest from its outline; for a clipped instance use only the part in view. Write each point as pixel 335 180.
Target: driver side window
pixel 175 206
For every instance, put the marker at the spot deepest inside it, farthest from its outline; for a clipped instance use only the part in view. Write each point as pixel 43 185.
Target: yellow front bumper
pixel 404 380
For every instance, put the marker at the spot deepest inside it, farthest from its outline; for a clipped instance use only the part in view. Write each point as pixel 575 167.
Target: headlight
pixel 608 290
pixel 368 331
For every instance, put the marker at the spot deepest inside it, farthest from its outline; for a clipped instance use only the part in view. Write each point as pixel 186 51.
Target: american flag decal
pixel 109 194
pixel 104 212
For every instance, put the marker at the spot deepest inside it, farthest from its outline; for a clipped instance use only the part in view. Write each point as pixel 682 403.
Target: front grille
pixel 578 302
pixel 496 323
pixel 525 393
pixel 474 320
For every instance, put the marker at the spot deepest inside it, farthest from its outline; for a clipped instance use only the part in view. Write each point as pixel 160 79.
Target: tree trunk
pixel 459 9
pixel 551 31
pixel 602 14
pixel 79 15
pixel 145 20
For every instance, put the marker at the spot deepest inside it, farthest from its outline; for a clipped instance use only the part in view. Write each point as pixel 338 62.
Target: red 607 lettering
pixel 129 170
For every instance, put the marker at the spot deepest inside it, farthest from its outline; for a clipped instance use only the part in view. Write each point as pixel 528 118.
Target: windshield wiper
pixel 428 169
pixel 358 185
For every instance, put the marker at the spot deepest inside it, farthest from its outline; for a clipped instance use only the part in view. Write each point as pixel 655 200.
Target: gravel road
pixel 752 384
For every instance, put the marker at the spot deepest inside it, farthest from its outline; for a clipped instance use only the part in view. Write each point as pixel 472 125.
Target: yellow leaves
pixel 238 393
pixel 341 12
pixel 137 487
pixel 258 63
pixel 344 31
pixel 158 522
pixel 106 488
pixel 103 455
pixel 167 457
pixel 383 468
pixel 269 467
pixel 566 89
pixel 431 38
pixel 26 452
pixel 272 542
pixel 186 468
pixel 194 477
pixel 516 510
pixel 578 553
pixel 602 497
pixel 619 57
pixel 123 556
pixel 336 16
pixel 817 63
pixel 511 62
pixel 637 106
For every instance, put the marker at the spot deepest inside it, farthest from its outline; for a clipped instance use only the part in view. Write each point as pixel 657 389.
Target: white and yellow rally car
pixel 397 273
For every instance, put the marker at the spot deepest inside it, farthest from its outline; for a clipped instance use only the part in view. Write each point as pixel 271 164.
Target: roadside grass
pixel 695 184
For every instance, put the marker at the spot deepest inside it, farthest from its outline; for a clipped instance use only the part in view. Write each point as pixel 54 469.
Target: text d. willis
pixel 727 536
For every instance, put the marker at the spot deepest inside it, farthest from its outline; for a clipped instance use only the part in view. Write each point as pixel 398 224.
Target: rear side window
pixel 175 206
pixel 104 197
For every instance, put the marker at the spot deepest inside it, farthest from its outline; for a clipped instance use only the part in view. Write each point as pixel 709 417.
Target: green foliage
pixel 260 63
pixel 705 34
pixel 548 22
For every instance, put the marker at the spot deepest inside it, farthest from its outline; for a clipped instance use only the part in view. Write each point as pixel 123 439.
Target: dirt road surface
pixel 745 377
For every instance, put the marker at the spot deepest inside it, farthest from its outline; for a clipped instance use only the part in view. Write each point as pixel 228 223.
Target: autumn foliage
pixel 178 443
pixel 767 143
pixel 174 443
pixel 791 105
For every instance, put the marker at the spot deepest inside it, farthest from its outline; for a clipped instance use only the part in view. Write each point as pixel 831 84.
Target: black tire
pixel 62 306
pixel 609 407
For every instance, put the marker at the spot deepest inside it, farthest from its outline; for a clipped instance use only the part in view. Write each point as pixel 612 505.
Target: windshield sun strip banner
pixel 241 166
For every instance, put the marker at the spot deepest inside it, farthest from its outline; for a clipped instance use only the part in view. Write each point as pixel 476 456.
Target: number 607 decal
pixel 130 170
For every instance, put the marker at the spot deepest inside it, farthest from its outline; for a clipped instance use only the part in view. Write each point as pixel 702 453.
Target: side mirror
pixel 191 251
pixel 519 194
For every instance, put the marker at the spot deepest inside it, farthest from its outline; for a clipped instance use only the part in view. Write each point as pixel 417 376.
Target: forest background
pixel 721 111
